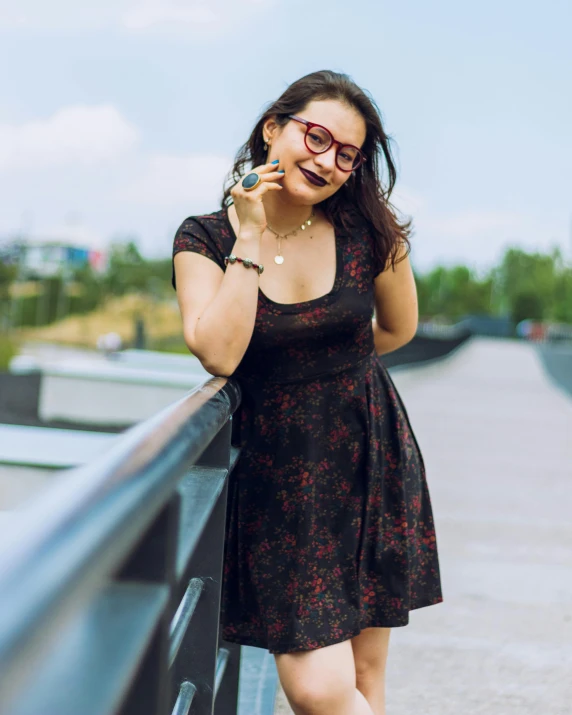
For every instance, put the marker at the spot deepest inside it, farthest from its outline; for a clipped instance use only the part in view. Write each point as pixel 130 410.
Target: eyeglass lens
pixel 319 140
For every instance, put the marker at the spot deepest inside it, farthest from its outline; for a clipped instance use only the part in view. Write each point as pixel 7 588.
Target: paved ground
pixel 496 436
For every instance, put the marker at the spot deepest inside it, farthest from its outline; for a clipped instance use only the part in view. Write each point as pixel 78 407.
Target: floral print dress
pixel 329 524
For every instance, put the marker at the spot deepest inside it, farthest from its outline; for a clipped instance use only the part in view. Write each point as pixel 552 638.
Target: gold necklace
pixel 279 258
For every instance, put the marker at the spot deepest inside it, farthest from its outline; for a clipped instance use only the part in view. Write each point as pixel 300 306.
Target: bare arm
pixel 219 307
pixel 396 309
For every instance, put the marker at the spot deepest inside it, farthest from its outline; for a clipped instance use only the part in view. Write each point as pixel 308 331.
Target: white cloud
pixel 83 173
pixel 480 237
pixel 169 180
pixel 150 13
pixel 215 16
pixel 61 15
pixel 210 16
pixel 73 135
pixel 408 201
pixel 474 236
pixel 468 224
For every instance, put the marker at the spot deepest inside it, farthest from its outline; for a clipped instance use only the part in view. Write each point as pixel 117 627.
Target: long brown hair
pixel 365 192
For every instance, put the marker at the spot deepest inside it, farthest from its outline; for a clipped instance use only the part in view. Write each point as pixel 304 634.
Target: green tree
pixel 452 292
pixel 526 305
pixel 129 272
pixel 92 290
pixel 527 274
pixel 562 311
pixel 7 277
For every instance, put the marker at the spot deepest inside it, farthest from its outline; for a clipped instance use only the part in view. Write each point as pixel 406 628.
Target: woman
pixel 330 540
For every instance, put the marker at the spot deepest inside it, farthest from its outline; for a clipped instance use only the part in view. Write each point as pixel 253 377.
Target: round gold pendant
pixel 279 259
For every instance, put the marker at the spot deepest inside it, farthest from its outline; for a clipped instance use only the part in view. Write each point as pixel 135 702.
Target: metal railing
pixel 110 579
pixel 556 359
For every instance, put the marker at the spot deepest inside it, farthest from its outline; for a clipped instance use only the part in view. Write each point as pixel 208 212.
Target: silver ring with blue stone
pixel 251 181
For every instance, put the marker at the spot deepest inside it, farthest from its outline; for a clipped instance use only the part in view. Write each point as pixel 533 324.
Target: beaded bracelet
pixel 246 262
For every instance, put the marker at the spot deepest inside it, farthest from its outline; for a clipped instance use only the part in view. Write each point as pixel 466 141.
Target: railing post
pixel 227 695
pixel 201 650
pixel 154 560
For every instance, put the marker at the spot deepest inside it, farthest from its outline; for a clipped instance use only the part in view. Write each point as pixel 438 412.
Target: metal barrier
pixel 431 342
pixel 556 359
pixel 110 580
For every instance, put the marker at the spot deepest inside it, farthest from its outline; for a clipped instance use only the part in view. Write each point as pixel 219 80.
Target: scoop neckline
pixel 312 302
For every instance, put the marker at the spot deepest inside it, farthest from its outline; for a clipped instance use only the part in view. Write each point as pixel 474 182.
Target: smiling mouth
pixel 313 178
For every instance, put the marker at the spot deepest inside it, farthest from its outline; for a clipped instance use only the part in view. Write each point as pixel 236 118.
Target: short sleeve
pixel 194 235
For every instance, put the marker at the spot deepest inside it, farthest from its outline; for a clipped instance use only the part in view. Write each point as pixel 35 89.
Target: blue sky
pixel 122 118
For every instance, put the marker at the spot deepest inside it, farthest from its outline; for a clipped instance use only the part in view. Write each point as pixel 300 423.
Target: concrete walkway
pixel 496 436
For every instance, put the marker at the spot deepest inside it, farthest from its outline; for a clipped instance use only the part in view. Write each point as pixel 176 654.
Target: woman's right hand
pixel 248 204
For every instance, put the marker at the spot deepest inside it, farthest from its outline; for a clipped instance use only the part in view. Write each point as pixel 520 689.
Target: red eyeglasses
pixel 318 139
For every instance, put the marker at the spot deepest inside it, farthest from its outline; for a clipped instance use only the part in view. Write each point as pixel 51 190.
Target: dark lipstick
pixel 313 178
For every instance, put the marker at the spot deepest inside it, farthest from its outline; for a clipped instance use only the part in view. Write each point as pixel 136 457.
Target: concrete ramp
pixel 496 435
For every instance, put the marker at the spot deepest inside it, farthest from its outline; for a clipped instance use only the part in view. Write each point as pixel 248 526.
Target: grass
pixel 174 344
pixel 162 325
pixel 8 349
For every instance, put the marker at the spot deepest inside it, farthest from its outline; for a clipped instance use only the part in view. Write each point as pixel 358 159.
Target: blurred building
pixel 45 259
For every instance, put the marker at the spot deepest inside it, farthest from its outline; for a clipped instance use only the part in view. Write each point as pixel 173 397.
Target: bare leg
pixel 374 694
pixel 370 653
pixel 362 706
pixel 322 681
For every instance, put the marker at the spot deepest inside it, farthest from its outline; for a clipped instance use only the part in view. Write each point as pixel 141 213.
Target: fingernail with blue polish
pixel 275 161
pixel 281 171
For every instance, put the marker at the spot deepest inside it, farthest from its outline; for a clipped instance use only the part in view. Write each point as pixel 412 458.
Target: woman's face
pixel 287 144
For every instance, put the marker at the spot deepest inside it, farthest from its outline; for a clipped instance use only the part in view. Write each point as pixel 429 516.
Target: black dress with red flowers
pixel 329 525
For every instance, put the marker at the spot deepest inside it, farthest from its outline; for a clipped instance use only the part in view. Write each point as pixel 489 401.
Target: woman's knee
pixel 370 650
pixel 319 698
pixel 318 681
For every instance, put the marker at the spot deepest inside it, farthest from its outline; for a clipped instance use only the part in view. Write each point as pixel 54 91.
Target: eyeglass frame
pixel 310 125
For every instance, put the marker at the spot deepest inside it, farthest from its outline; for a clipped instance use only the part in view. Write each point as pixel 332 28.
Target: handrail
pixel 74 539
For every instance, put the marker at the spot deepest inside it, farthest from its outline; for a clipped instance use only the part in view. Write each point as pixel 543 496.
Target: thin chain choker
pixel 279 258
